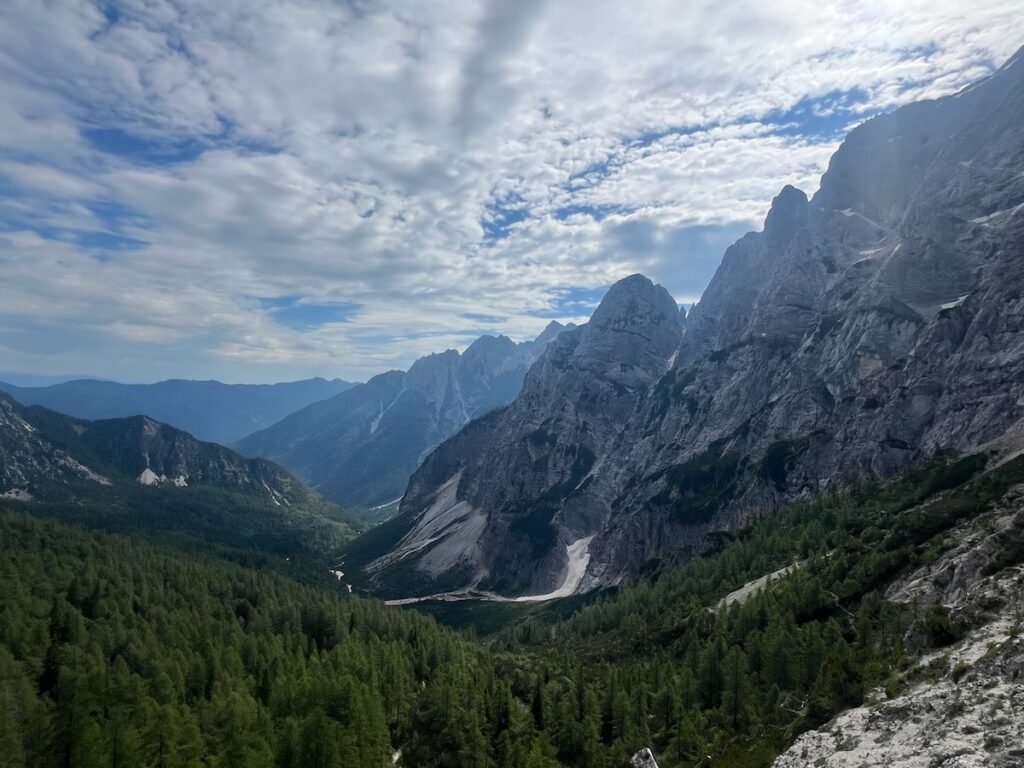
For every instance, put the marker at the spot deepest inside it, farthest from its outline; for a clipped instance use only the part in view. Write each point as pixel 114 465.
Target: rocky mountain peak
pixel 551 330
pixel 634 330
pixel 788 213
pixel 361 446
pixel 487 357
pixel 634 302
pixel 490 344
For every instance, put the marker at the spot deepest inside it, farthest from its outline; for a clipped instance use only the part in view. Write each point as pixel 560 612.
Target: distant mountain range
pixel 360 447
pixel 210 410
pixel 860 333
pixel 19 379
pixel 137 473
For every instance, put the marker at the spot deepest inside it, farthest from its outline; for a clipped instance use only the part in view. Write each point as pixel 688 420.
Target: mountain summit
pixel 512 492
pixel 861 332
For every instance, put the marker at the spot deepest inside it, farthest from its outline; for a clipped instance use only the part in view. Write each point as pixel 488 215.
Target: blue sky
pixel 259 191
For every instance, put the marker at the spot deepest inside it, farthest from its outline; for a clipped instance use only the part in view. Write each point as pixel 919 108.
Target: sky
pixel 264 191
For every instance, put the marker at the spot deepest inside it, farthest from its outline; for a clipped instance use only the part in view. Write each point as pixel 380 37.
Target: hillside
pixel 139 474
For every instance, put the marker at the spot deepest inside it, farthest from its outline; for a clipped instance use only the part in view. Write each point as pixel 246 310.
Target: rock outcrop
pixel 26 457
pixel 863 330
pixel 643 759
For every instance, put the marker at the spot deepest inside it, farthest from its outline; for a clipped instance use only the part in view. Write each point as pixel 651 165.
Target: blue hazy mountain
pixel 360 447
pixel 210 410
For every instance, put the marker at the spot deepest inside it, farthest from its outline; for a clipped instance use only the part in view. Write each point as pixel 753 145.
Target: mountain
pixel 860 333
pixel 141 473
pixel 360 447
pixel 210 410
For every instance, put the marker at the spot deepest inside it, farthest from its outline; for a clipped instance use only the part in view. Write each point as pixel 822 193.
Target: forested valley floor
pixel 117 651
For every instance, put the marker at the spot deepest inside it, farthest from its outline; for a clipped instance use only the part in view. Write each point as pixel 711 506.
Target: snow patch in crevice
pixel 578 553
pixel 273 494
pixel 579 558
pixel 955 303
pixel 671 361
pixel 1008 212
pixel 376 419
pixel 383 411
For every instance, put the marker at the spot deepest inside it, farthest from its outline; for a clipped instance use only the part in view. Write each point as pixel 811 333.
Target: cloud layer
pixel 259 190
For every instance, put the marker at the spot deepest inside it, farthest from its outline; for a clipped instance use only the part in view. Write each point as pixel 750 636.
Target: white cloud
pixel 168 165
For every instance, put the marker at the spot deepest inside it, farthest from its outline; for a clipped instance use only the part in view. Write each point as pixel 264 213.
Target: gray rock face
pixel 502 502
pixel 26 457
pixel 859 332
pixel 360 447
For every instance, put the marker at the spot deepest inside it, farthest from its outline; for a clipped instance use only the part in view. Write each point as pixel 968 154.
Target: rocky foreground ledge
pixel 962 706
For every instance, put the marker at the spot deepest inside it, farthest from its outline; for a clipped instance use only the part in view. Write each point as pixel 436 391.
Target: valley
pixel 575 503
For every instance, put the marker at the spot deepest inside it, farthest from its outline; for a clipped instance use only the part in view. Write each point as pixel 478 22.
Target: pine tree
pixel 736 688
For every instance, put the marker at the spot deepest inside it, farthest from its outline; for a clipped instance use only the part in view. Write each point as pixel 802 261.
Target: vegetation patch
pixel 684 378
pixel 942 474
pixel 703 484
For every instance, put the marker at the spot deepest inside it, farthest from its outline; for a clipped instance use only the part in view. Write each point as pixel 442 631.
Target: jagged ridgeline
pixel 860 333
pixel 136 474
pixel 360 447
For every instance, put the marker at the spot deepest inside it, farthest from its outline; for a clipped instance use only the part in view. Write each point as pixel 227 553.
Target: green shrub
pixel 938 628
